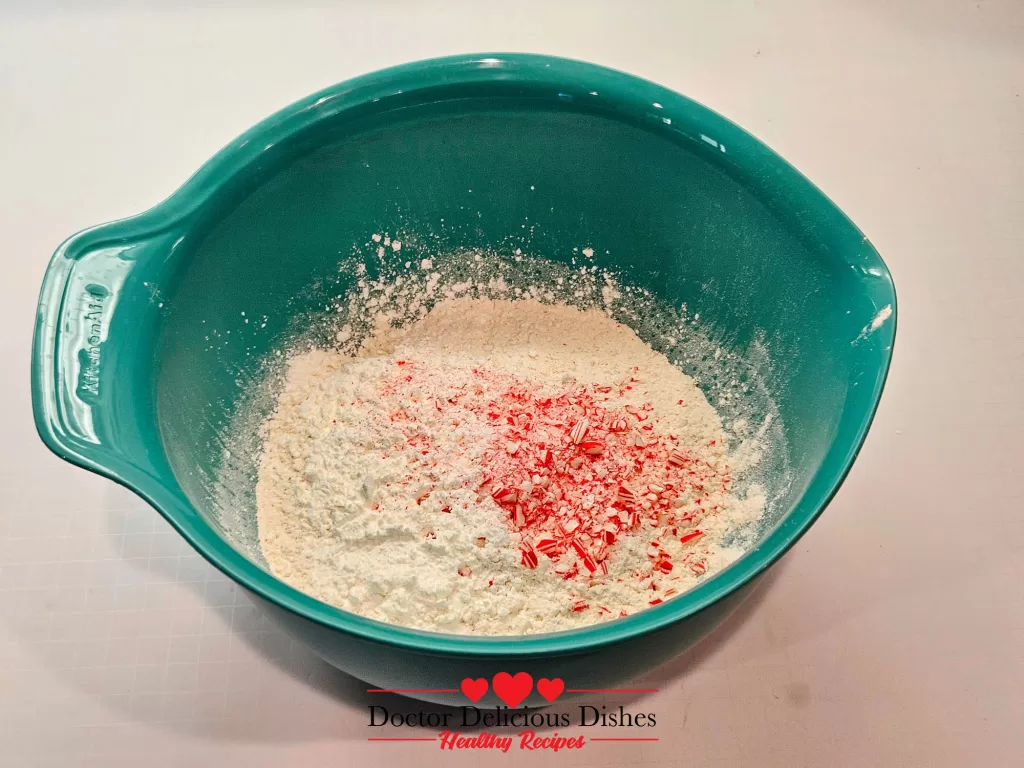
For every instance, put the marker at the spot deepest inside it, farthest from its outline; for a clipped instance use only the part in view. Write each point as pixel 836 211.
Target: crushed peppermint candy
pixel 497 467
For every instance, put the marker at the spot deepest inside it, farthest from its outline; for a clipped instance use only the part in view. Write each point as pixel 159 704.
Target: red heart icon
pixel 512 690
pixel 474 689
pixel 550 689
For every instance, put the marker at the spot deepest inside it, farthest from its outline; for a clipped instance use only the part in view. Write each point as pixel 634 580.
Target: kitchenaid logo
pixel 89 356
pixel 538 728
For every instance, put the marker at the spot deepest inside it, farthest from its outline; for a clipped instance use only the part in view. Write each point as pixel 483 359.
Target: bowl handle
pixel 89 399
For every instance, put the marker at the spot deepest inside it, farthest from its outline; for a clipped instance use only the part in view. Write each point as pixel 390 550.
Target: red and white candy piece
pixel 547 546
pixel 504 495
pixel 528 556
pixel 677 458
pixel 579 431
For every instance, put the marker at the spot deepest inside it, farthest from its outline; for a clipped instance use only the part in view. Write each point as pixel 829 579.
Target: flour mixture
pixel 497 467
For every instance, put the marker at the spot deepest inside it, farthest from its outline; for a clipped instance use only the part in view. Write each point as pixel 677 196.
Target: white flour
pixel 378 479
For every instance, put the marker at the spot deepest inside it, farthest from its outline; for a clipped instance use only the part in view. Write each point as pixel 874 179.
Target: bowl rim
pixel 617 93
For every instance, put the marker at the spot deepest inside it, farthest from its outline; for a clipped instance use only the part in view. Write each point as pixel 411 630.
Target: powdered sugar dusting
pixel 375 304
pixel 464 472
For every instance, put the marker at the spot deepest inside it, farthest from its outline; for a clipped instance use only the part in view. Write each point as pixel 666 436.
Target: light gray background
pixel 893 635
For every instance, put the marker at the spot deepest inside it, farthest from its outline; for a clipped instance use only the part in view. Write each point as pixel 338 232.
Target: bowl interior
pixel 671 196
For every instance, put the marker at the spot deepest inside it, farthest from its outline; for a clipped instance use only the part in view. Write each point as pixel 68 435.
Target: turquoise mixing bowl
pixel 678 199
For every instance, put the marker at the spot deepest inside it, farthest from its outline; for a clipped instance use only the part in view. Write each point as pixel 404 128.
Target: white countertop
pixel 892 635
